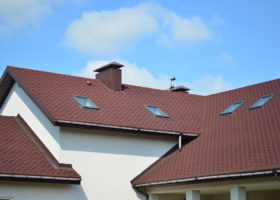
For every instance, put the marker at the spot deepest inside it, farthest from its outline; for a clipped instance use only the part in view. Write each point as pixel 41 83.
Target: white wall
pixel 40 191
pixel 108 161
pixel 18 102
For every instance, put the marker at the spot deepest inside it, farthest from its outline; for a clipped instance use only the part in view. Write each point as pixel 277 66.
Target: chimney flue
pixel 111 75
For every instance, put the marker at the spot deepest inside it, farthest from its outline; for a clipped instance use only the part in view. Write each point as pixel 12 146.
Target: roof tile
pixel 22 153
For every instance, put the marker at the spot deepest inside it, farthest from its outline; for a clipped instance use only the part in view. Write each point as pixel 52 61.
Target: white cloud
pixel 190 30
pixel 135 75
pixel 107 31
pixel 15 14
pixel 102 32
pixel 210 84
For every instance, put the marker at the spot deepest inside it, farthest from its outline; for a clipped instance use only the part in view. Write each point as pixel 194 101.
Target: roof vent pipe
pixel 111 75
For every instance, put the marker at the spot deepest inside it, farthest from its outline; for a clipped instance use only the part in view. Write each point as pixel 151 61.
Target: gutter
pixel 42 178
pixel 209 178
pixel 124 128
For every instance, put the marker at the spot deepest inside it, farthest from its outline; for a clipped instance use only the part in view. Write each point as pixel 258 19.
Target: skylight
pixel 85 102
pixel 233 107
pixel 262 101
pixel 156 111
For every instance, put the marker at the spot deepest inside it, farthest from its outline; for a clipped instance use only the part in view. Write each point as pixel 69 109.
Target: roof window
pixel 262 101
pixel 156 111
pixel 232 108
pixel 85 102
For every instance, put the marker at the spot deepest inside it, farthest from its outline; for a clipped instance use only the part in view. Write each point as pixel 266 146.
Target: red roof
pixel 245 141
pixel 24 157
pixel 53 93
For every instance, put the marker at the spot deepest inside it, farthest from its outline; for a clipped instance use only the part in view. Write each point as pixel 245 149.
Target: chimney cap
pixel 114 65
pixel 179 88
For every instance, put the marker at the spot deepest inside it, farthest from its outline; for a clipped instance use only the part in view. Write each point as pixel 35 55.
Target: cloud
pixel 15 14
pixel 185 30
pixel 210 84
pixel 135 75
pixel 105 32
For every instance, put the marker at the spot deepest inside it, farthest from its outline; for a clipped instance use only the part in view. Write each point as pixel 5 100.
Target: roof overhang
pixel 221 177
pixel 122 128
pixel 42 179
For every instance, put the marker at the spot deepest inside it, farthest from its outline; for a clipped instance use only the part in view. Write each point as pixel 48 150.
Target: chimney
pixel 111 75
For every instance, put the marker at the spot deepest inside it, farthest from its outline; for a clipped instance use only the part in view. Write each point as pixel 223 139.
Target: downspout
pixel 180 142
pixel 142 193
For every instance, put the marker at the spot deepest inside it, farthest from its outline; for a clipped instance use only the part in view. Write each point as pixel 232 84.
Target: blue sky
pixel 210 46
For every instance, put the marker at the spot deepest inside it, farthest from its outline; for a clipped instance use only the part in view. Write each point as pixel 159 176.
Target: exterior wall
pixel 108 161
pixel 251 195
pixel 18 102
pixel 42 191
pixel 264 195
pixel 172 196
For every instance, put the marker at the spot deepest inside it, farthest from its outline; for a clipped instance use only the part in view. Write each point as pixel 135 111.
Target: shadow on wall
pixel 39 115
pixel 112 142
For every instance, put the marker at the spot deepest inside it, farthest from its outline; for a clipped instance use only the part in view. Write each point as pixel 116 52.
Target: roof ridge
pixel 47 72
pixel 244 87
pixel 162 90
pixel 93 79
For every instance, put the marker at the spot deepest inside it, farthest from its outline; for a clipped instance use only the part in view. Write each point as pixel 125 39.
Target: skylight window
pixel 232 108
pixel 156 111
pixel 85 102
pixel 262 101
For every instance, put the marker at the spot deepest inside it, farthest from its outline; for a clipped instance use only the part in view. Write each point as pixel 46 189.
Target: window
pixel 233 107
pixel 262 101
pixel 156 111
pixel 85 102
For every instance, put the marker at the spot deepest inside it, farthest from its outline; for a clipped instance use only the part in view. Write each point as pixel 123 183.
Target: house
pixel 67 137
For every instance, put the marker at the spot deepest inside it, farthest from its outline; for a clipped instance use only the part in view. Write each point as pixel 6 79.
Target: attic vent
pixel 232 108
pixel 262 101
pixel 180 88
pixel 85 102
pixel 156 111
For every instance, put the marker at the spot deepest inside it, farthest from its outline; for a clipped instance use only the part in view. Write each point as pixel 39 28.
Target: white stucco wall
pixel 40 191
pixel 108 161
pixel 18 102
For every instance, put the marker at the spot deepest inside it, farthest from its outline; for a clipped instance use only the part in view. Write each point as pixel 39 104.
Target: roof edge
pixel 49 156
pixel 6 83
pixel 34 100
pixel 106 126
pixel 208 178
pixel 43 179
pixel 243 87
